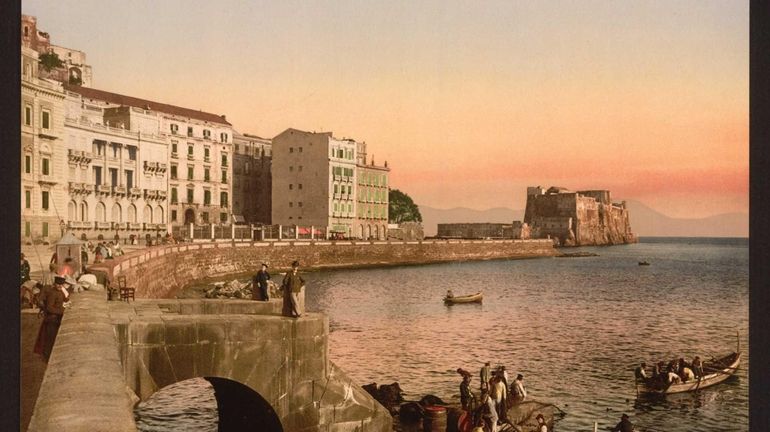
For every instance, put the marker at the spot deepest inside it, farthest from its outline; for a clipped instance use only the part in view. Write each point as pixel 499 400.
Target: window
pixel 299 186
pixel 223 137
pixel 223 199
pixel 291 204
pixel 28 115
pixel 299 168
pixel 336 189
pixel 291 168
pixel 46 119
pixel 206 153
pixel 300 149
pixel 223 217
pixel 45 229
pixel 207 197
pixel 132 153
pixel 27 199
pixel 129 179
pixel 46 166
pixel 27 229
pixel 206 134
pixel 291 186
pixel 350 189
pixel 189 196
pixel 97 176
pixel 190 150
pixel 173 147
pixel 174 129
pixel 206 174
pixel 224 176
pixel 336 207
pixel 224 159
pixel 291 149
pixel 113 177
pixel 190 172
pixel 45 200
pixel 189 131
pixel 174 198
pixel 115 150
pixel 173 215
pixel 27 164
pixel 173 171
pixel 299 203
pixel 340 154
pixel 205 217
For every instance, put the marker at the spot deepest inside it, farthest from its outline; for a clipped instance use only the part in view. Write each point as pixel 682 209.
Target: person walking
pixel 291 286
pixel 24 269
pixel 53 300
pixel 485 376
pixel 259 284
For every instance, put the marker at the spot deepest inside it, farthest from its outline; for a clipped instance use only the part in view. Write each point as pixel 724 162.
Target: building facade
pixel 74 69
pixel 323 181
pixel 252 179
pixel 43 154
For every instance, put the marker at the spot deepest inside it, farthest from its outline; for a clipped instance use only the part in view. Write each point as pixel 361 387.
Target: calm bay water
pixel 574 327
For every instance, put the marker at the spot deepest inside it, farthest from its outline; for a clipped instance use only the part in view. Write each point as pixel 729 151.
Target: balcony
pixel 103 225
pixel 175 155
pixel 103 189
pixel 190 157
pixel 134 226
pixel 162 194
pixel 162 227
pixel 119 225
pixel 79 224
pixel 150 226
pixel 119 190
pixel 206 159
pixel 80 157
pixel 135 192
pixel 150 194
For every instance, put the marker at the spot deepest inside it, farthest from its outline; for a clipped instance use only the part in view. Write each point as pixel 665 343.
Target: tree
pixel 401 208
pixel 50 61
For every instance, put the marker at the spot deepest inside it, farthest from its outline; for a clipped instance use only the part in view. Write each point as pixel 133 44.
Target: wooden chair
pixel 125 292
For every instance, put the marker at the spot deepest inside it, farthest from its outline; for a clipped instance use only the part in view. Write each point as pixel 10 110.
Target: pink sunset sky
pixel 469 102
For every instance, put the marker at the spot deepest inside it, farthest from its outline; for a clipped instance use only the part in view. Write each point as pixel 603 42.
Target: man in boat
pixel 449 294
pixel 673 378
pixel 292 288
pixel 518 389
pixel 485 376
pixel 697 367
pixel 624 426
pixel 687 374
pixel 466 396
pixel 640 373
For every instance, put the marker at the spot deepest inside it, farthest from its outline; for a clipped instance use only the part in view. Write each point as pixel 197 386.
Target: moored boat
pixel 472 298
pixel 644 263
pixel 715 371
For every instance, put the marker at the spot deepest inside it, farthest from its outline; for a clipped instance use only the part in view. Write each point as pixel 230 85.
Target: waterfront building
pixel 252 179
pixel 317 181
pixel 43 155
pixel 371 197
pixel 198 153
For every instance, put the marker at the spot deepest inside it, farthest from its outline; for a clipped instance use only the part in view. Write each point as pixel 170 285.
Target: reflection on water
pixel 574 327
pixel 189 405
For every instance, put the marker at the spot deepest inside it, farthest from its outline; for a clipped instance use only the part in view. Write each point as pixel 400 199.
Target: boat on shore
pixel 471 298
pixel 715 371
pixel 644 263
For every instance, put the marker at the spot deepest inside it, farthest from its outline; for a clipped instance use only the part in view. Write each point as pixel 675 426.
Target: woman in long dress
pixel 292 289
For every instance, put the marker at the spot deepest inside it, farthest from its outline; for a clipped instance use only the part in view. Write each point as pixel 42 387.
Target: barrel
pixel 435 419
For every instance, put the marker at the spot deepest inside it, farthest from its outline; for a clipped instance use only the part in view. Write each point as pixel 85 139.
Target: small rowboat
pixel 473 298
pixel 643 263
pixel 715 371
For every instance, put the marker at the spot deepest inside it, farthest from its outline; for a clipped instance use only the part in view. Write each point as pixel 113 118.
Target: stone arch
pixel 158 215
pixel 383 233
pixel 361 231
pixel 368 232
pixel 147 216
pixel 131 213
pixel 84 211
pixel 101 212
pixel 117 213
pixel 72 211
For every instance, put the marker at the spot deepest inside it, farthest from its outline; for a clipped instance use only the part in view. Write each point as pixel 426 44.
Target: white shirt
pixel 519 388
pixel 543 428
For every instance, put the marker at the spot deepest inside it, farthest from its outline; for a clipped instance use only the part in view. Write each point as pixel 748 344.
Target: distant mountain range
pixel 645 221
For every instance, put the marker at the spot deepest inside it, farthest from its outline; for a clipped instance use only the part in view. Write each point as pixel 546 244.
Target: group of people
pixel 102 251
pixel 675 372
pixel 291 288
pixel 498 394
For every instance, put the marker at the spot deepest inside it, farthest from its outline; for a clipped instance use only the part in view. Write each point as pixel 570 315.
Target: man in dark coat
pixel 292 286
pixel 624 426
pixel 53 300
pixel 24 269
pixel 259 284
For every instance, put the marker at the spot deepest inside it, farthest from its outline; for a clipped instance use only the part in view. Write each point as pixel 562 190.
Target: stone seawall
pixel 160 271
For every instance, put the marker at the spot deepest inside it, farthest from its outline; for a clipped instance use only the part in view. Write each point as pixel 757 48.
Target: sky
pixel 469 102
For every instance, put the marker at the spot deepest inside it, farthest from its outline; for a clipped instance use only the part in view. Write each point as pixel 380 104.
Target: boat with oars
pixel 715 371
pixel 451 299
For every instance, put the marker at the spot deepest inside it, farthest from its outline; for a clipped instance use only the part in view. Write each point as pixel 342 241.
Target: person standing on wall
pixel 53 301
pixel 259 284
pixel 292 286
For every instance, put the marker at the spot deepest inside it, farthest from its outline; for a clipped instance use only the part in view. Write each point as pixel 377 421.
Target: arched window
pixel 117 214
pixel 147 214
pixel 84 211
pixel 101 212
pixel 158 214
pixel 131 214
pixel 72 211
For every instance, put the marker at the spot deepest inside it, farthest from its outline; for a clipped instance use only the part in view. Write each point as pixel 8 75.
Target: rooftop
pixel 118 99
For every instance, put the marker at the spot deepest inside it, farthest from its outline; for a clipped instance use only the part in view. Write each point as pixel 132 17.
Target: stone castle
pixel 577 218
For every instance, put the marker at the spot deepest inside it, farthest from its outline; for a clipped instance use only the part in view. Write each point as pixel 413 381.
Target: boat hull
pixel 473 298
pixel 715 375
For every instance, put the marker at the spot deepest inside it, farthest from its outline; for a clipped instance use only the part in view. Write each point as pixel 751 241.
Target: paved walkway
pixel 32 366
